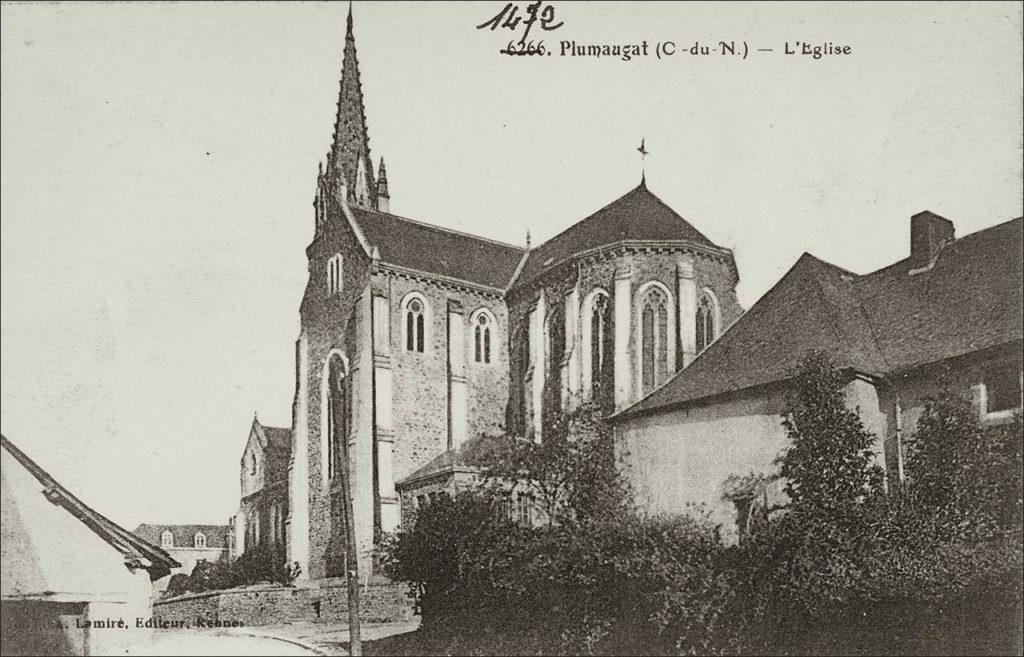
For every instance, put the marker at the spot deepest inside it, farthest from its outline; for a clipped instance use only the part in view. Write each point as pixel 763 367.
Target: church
pixel 415 339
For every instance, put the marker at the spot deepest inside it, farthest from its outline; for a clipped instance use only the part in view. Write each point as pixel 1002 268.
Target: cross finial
pixel 643 163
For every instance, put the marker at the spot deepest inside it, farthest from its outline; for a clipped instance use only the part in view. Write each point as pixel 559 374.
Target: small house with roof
pixel 188 544
pixel 947 315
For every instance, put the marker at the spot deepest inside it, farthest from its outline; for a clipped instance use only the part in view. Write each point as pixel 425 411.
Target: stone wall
pixel 420 401
pixel 264 604
pixel 338 323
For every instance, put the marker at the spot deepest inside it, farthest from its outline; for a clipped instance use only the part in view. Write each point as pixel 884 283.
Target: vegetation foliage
pixel 261 565
pixel 933 565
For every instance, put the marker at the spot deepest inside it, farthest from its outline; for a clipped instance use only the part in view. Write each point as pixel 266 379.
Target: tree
pixel 965 477
pixel 828 466
pixel 571 472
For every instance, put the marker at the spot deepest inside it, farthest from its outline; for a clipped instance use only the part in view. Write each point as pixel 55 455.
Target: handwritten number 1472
pixel 509 18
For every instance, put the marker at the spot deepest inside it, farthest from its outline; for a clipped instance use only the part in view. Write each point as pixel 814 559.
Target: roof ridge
pixel 443 228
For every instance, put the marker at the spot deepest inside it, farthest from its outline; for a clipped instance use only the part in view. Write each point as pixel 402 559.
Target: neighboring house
pixel 949 314
pixel 414 338
pixel 188 544
pixel 62 564
pixel 263 475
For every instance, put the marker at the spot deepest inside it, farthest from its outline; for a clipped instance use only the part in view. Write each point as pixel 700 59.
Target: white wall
pixel 681 458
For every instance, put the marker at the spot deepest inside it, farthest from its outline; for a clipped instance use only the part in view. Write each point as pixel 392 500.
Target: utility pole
pixel 342 391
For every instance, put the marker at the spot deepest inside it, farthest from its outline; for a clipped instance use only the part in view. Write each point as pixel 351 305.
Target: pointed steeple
pixel 351 147
pixel 383 197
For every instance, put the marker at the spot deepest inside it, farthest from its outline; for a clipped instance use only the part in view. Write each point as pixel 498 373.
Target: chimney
pixel 928 234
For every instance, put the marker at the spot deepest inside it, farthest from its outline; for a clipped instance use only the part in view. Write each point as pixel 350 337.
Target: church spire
pixel 350 151
pixel 383 197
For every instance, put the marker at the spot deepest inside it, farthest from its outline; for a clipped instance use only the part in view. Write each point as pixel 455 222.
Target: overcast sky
pixel 159 161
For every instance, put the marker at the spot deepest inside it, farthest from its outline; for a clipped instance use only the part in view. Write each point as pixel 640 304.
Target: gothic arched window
pixel 338 414
pixel 483 335
pixel 415 310
pixel 599 334
pixel 252 464
pixel 334 271
pixel 199 540
pixel 654 332
pixel 705 320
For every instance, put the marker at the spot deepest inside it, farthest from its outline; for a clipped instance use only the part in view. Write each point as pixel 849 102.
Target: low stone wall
pixel 265 604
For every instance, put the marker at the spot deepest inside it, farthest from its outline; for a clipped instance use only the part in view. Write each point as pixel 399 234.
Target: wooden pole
pixel 351 551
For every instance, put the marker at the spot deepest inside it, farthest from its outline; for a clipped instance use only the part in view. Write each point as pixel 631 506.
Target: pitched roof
pixel 879 323
pixel 135 550
pixel 275 437
pixel 969 300
pixel 184 535
pixel 637 215
pixel 435 250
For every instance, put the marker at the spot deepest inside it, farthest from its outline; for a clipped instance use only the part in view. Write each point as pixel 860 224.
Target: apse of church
pixel 415 340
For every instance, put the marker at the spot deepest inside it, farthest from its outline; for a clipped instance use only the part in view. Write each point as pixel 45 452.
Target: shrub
pixel 842 567
pixel 965 477
pixel 828 465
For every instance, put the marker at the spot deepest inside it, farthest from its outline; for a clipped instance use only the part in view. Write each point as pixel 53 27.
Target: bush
pixel 842 567
pixel 262 564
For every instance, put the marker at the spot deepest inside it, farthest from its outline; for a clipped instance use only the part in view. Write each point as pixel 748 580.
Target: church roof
pixel 435 250
pixel 880 323
pixel 638 215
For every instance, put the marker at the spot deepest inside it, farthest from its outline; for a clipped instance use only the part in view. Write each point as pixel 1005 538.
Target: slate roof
pixel 470 454
pixel 184 535
pixel 435 250
pixel 637 215
pixel 879 323
pixel 134 548
pixel 278 438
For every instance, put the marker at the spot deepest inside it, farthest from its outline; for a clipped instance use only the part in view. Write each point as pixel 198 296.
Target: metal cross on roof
pixel 643 157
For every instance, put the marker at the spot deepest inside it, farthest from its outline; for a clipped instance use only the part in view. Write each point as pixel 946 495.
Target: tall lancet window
pixel 599 352
pixel 483 330
pixel 414 325
pixel 338 414
pixel 655 339
pixel 705 320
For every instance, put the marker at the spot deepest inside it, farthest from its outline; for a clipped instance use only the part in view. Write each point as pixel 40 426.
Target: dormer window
pixel 199 540
pixel 167 539
pixel 334 271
